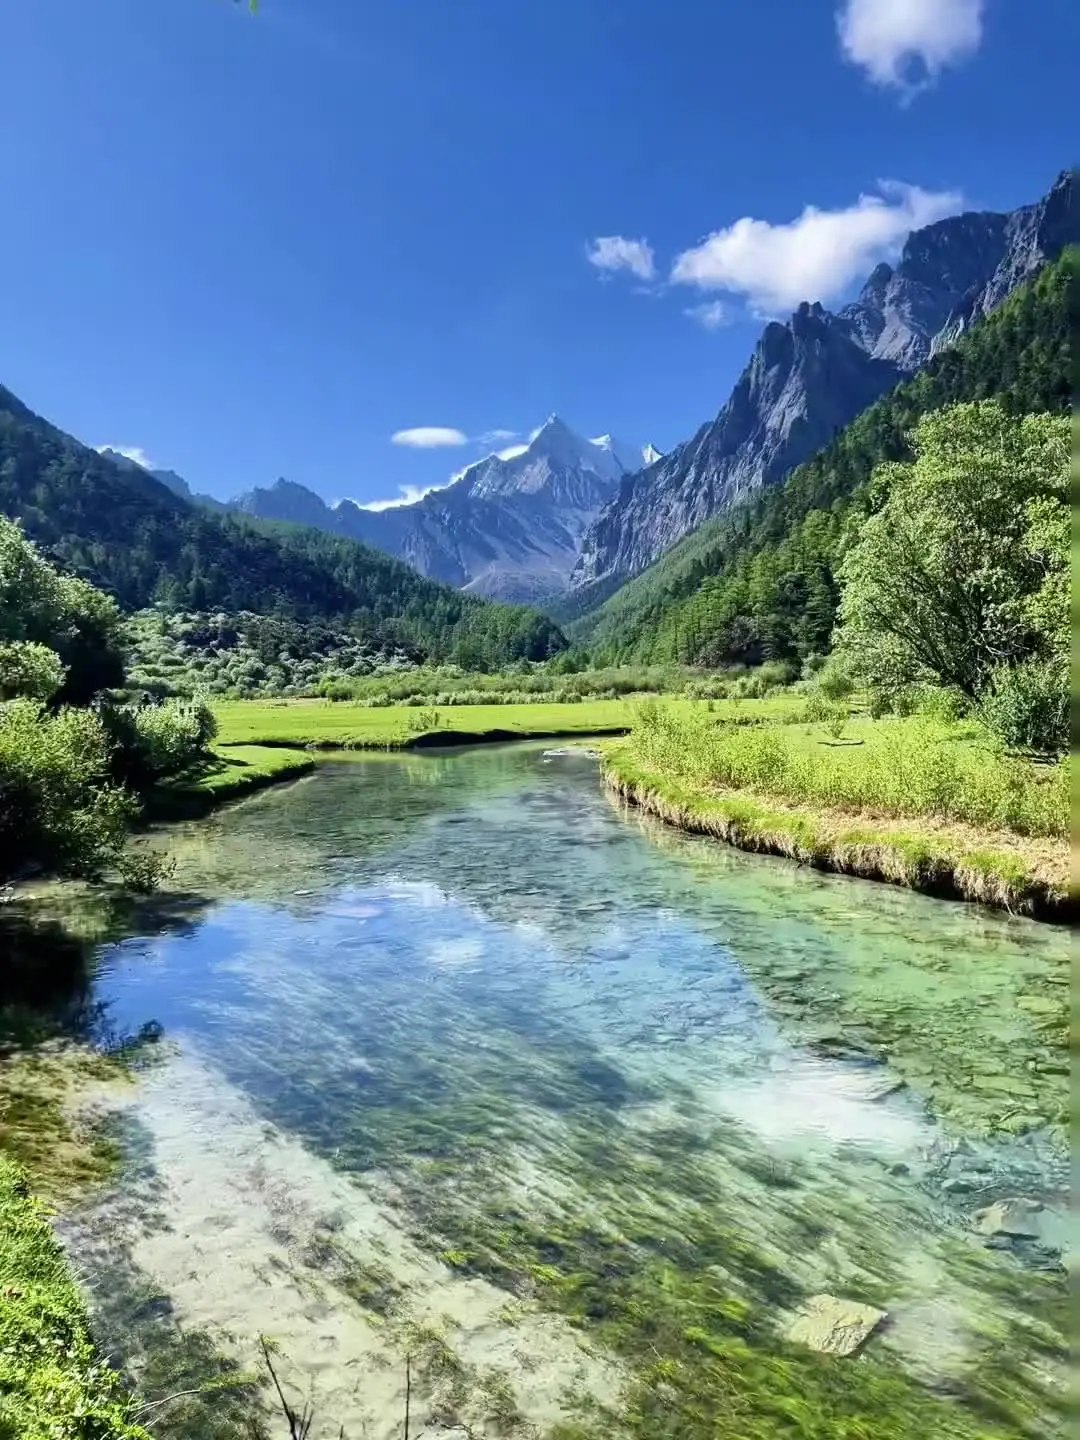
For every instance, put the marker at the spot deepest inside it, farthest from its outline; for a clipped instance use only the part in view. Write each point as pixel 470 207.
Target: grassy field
pixel 328 725
pixel 916 802
pixel 233 772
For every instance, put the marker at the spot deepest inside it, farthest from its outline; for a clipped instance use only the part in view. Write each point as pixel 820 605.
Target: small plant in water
pixel 836 724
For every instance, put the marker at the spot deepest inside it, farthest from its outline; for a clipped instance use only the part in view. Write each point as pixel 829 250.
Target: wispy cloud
pixel 817 255
pixel 407 495
pixel 711 315
pixel 131 452
pixel 429 437
pixel 610 253
pixel 905 44
pixel 490 439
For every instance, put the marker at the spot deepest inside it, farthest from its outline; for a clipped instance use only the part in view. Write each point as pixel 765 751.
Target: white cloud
pixel 815 257
pixel 131 452
pixel 905 44
pixel 408 495
pixel 511 452
pixel 491 438
pixel 429 437
pixel 712 314
pixel 616 252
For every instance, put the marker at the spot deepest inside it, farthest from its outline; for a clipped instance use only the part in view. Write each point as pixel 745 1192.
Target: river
pixel 471 1084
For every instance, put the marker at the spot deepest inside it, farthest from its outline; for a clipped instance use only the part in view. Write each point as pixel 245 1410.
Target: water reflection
pixel 461 1016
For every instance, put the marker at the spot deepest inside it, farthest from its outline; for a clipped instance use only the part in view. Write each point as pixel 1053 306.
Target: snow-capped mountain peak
pixel 650 454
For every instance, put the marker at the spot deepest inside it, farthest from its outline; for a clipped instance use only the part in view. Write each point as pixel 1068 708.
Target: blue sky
pixel 265 246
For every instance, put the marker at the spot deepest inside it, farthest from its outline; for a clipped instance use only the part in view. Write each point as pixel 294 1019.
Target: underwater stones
pixel 842 1047
pixel 1014 1218
pixel 1039 1004
pixel 1003 1085
pixel 834 1326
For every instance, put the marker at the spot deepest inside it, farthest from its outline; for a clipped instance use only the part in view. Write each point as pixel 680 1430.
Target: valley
pixel 507 932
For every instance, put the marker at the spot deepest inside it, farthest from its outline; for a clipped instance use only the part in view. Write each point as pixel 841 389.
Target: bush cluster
pixel 245 655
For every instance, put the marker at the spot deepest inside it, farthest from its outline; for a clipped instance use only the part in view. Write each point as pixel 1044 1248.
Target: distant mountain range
pixel 564 520
pixel 813 374
pixel 508 527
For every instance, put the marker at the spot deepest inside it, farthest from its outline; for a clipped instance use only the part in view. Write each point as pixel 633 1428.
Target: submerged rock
pixel 834 1326
pixel 1014 1218
pixel 571 750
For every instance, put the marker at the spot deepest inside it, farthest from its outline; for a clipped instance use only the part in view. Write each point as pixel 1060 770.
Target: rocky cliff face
pixel 509 527
pixel 814 374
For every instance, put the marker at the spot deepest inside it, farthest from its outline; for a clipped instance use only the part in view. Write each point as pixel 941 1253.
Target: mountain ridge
pixel 508 526
pixel 814 373
pixel 133 536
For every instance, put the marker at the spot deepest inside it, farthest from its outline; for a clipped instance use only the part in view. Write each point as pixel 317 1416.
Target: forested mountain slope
pixel 820 369
pixel 144 544
pixel 760 582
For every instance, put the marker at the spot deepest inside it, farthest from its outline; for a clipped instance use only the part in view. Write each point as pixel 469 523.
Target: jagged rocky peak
pixel 284 500
pixel 509 525
pixel 814 374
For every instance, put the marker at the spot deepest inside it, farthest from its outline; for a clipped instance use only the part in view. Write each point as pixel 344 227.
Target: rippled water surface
pixel 464 1064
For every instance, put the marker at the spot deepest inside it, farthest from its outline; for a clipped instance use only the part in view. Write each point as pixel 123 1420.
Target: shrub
pixel 152 743
pixel 834 680
pixel 940 704
pixel 1027 706
pixel 28 668
pixel 59 808
pixel 817 709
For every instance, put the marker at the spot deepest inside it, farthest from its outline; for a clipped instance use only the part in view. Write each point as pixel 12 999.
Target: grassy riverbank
pixel 231 773
pixel 913 803
pixel 52 1382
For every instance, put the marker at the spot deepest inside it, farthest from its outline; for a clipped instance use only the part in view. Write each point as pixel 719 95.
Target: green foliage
pixel 451 685
pixel 761 582
pixel 834 680
pixel 28 668
pixel 151 743
pixel 918 767
pixel 132 537
pixel 41 608
pixel 59 808
pixel 1027 706
pixel 943 583
pixel 246 655
pixel 52 1383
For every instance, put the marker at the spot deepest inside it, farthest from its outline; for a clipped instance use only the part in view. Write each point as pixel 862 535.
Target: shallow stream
pixel 472 1084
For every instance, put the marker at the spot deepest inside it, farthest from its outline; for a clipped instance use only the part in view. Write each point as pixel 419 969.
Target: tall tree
pixel 959 572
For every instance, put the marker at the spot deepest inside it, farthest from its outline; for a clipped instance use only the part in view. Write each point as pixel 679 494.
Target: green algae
pixel 524 1154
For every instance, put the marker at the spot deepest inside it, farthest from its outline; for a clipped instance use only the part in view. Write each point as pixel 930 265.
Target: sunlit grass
pixel 323 723
pixel 907 768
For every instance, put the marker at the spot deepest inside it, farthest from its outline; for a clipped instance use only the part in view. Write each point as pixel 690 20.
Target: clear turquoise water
pixel 410 997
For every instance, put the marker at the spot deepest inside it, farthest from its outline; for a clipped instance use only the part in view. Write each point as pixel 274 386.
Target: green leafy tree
pixel 27 668
pixel 45 610
pixel 960 572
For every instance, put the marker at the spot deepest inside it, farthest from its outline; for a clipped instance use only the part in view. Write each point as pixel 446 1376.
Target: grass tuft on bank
pixel 912 802
pixel 52 1383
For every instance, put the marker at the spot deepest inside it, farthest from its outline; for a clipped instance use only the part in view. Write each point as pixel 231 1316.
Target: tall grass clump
pixel 915 767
